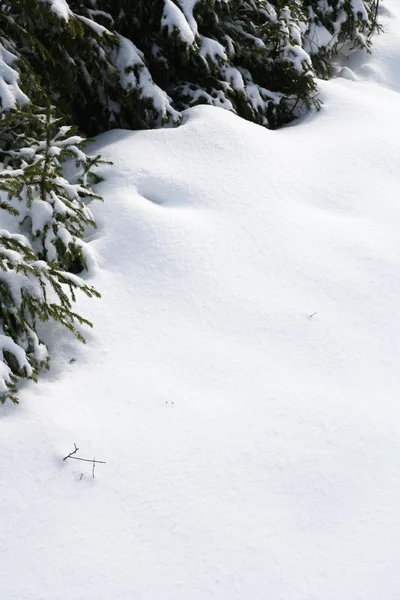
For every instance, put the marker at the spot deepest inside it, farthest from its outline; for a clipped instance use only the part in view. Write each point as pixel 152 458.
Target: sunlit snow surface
pixel 242 381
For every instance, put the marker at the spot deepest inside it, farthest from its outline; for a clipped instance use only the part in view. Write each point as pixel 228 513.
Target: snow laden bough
pixel 39 266
pixel 55 210
pixel 31 290
pixel 140 64
pixel 256 58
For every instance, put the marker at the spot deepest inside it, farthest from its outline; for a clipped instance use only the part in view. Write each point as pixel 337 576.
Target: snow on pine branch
pixel 134 75
pixel 59 8
pixel 10 91
pixel 38 276
pixel 139 64
pixel 54 209
pixel 31 290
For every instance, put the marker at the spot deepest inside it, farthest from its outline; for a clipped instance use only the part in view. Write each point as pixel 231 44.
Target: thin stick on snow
pixel 91 460
pixel 71 453
pixel 100 462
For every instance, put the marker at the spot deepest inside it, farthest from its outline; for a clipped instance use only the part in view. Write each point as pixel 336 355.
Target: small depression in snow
pixel 165 193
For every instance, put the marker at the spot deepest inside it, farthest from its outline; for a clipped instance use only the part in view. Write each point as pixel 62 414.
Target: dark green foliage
pixel 62 61
pixel 139 63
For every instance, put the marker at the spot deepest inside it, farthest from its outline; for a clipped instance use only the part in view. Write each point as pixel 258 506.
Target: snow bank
pixel 242 379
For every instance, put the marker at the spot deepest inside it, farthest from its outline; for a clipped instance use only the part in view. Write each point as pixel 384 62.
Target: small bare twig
pixel 313 315
pixel 71 453
pixel 93 461
pixel 102 462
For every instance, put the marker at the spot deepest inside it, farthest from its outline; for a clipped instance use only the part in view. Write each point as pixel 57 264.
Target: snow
pixel 41 213
pixel 10 92
pixel 234 76
pixel 242 379
pixel 212 49
pixel 188 8
pixel 60 8
pixel 134 73
pixel 7 345
pixel 174 20
pixel 383 65
pixel 98 29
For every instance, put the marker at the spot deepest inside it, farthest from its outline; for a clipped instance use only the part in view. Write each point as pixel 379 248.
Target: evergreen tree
pixel 31 290
pixel 139 63
pixel 335 24
pixel 96 78
pixel 55 210
pixel 38 277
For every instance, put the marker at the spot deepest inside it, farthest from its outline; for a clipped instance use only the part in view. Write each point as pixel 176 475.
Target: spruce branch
pixel 38 276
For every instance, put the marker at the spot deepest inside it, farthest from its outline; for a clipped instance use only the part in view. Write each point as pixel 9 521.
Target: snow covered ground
pixel 242 381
